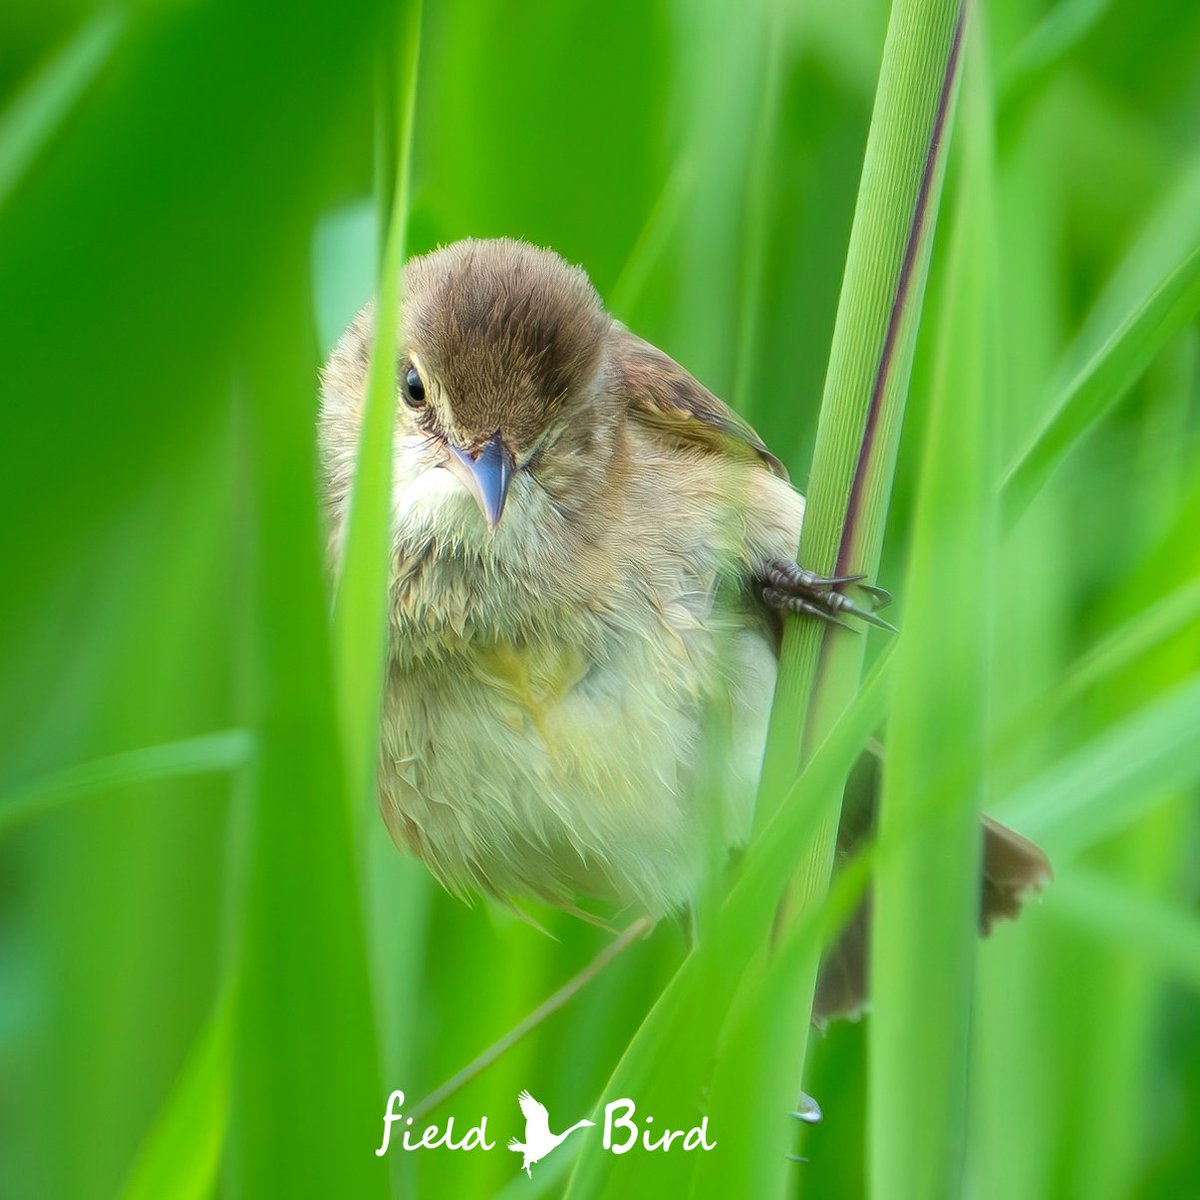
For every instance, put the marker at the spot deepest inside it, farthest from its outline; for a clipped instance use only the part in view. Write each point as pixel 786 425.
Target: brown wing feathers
pixel 661 394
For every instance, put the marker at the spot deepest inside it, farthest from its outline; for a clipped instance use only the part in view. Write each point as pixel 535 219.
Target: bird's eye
pixel 414 388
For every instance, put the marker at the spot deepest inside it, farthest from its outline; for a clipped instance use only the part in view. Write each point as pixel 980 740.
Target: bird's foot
pixel 790 588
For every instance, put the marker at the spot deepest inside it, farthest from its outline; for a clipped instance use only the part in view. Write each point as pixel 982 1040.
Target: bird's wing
pixel 662 395
pixel 537 1119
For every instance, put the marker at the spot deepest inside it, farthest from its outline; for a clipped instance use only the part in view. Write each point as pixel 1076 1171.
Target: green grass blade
pixel 926 890
pixel 33 116
pixel 652 241
pixel 1062 28
pixel 1166 936
pixel 360 603
pixel 862 408
pixel 180 1157
pixel 870 359
pixel 212 753
pixel 1163 234
pixel 302 969
pixel 1111 781
pixel 772 853
pixel 1108 375
pixel 753 1090
pixel 757 220
pixel 1137 637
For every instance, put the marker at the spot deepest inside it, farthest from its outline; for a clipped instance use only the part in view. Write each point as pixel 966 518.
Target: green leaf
pixel 306 1087
pixel 180 1158
pixel 210 754
pixel 1137 637
pixel 928 862
pixel 858 434
pixel 626 293
pixel 1165 936
pixel 1115 778
pixel 35 114
pixel 869 365
pixel 360 602
pixel 1105 378
pixel 1066 24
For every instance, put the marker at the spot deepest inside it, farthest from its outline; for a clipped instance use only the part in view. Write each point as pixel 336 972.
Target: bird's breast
pixel 531 681
pixel 568 761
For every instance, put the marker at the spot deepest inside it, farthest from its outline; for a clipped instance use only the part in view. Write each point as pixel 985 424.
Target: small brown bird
pixel 588 547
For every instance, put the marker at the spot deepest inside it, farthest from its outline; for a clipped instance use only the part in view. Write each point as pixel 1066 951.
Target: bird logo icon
pixel 539 1141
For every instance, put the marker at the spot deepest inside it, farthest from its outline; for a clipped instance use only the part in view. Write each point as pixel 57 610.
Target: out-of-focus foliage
pixel 191 929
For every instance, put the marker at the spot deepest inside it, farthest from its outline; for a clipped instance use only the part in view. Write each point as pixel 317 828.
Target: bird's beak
pixel 486 473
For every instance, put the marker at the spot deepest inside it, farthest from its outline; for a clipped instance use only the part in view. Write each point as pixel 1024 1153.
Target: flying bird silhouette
pixel 539 1141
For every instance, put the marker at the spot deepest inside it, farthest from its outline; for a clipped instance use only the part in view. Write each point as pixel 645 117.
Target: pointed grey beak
pixel 486 473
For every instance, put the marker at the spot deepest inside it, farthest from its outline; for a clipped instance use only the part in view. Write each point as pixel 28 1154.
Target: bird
pixel 590 560
pixel 539 1141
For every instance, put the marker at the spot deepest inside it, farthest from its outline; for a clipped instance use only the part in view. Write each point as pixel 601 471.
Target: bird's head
pixel 500 348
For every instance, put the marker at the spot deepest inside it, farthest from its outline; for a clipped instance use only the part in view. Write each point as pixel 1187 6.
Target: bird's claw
pixel 790 588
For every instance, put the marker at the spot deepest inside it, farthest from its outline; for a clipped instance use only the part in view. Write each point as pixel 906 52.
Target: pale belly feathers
pixel 561 766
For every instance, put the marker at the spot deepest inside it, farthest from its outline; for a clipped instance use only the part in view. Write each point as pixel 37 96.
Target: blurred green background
pixel 185 225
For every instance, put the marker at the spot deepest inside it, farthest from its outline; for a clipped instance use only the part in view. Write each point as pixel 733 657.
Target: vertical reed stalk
pixel 863 402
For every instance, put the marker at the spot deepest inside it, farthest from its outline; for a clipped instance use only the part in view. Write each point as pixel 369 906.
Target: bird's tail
pixel 1014 869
